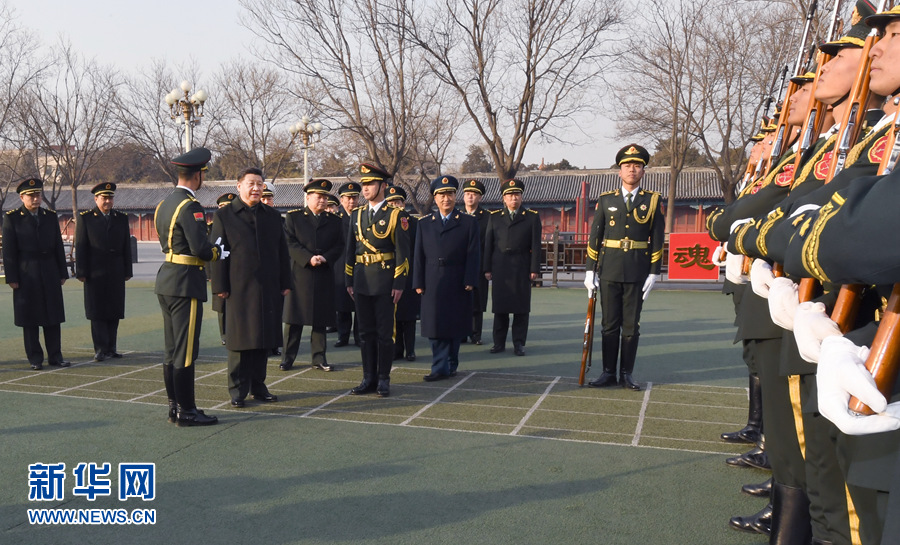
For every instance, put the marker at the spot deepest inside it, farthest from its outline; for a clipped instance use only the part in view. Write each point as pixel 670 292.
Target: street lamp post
pixel 186 109
pixel 306 131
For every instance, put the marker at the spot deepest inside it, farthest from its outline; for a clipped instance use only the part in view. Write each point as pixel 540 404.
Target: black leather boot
pixel 760 522
pixel 761 490
pixel 610 350
pixel 369 351
pixel 751 432
pixel 385 360
pixel 629 355
pixel 188 414
pixel 169 381
pixel 790 516
pixel 755 457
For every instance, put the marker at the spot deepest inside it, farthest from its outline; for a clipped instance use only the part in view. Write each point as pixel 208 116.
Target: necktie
pixel 512 215
pixel 37 218
pixel 628 205
pixel 371 214
pixel 444 219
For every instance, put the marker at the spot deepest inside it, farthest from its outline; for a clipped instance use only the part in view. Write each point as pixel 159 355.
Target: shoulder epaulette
pixel 494 211
pixel 294 210
pixel 609 192
pixel 532 211
pixel 10 212
pixel 50 210
pixel 83 212
pixel 361 206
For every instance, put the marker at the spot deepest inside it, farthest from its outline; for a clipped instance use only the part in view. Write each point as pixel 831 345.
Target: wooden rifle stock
pixel 587 348
pixel 884 356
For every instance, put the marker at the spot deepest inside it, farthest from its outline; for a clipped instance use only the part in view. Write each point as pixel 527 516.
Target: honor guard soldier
pixel 254 282
pixel 407 310
pixel 446 269
pixel 35 264
pixel 333 204
pixel 473 192
pixel 218 304
pixel 512 255
pixel 181 284
pixel 103 263
pixel 377 262
pixel 315 244
pixel 343 303
pixel 624 261
pixel 268 194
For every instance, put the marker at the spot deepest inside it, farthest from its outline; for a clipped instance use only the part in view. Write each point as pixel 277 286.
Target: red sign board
pixel 690 257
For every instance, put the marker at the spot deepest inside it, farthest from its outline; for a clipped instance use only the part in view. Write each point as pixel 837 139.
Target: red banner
pixel 690 257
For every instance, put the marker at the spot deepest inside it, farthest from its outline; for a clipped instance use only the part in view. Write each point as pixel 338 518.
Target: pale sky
pixel 130 34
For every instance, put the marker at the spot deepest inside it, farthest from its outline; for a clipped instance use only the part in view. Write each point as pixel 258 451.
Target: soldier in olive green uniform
pixel 624 261
pixel 35 264
pixel 343 303
pixel 103 264
pixel 181 284
pixel 377 263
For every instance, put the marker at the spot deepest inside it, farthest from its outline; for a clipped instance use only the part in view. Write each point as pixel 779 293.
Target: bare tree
pixel 659 65
pixel 69 120
pixel 734 73
pixel 20 66
pixel 353 70
pixel 253 110
pixel 520 67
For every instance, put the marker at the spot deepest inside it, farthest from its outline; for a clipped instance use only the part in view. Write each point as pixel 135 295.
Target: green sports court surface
pixel 511 450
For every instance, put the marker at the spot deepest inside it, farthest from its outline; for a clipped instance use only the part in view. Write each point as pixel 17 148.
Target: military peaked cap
pixel 444 184
pixel 474 186
pixel 370 173
pixel 632 153
pixel 856 36
pixel 350 189
pixel 884 18
pixel 106 188
pixel 511 186
pixel 225 198
pixel 268 190
pixel 394 193
pixel 320 185
pixel 194 160
pixel 31 185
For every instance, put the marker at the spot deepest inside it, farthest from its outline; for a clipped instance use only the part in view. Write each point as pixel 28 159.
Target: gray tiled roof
pixel 540 189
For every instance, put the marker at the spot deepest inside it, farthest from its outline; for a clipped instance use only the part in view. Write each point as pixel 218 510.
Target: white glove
pixel 842 373
pixel 811 327
pixel 734 265
pixel 223 253
pixel 761 277
pixel 783 302
pixel 738 223
pixel 591 281
pixel 719 256
pixel 648 285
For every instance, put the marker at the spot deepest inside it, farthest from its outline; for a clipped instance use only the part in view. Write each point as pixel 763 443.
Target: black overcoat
pixel 512 251
pixel 447 259
pixel 311 300
pixel 103 260
pixel 33 257
pixel 254 275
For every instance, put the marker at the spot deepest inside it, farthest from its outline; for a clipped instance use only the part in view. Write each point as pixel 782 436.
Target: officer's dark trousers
pixel 292 335
pixel 247 372
pixel 375 314
pixel 519 329
pixel 824 480
pixel 104 334
pixel 477 325
pixel 405 338
pixel 182 317
pixel 221 325
pixel 346 323
pixel 782 445
pixel 52 338
pixel 444 356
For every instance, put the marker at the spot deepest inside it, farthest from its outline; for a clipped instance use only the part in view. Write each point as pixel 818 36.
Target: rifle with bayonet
pixel 587 347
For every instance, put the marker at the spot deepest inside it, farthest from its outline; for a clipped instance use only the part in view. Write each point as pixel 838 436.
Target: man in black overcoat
pixel 473 192
pixel 254 281
pixel 103 264
pixel 446 269
pixel 35 265
pixel 512 259
pixel 343 303
pixel 315 243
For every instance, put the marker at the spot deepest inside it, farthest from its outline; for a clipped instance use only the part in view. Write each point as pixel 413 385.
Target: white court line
pixel 139 370
pixel 640 423
pixel 534 407
pixel 440 397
